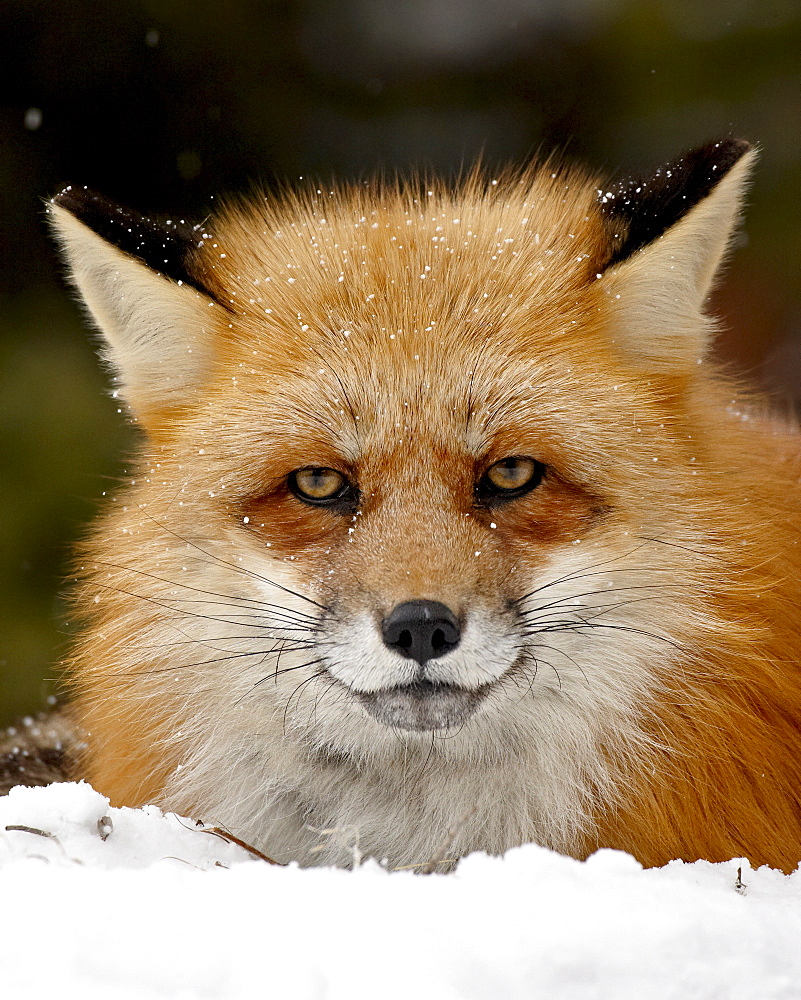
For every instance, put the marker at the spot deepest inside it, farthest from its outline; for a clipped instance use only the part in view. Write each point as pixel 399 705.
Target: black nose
pixel 421 630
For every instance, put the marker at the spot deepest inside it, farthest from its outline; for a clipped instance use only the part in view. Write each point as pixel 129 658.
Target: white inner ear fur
pixel 157 334
pixel 657 296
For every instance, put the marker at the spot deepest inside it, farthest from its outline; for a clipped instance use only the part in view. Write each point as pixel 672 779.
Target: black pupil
pixel 518 471
pixel 514 473
pixel 319 480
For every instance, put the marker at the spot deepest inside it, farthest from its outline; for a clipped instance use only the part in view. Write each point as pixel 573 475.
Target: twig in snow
pixel 230 838
pixel 32 829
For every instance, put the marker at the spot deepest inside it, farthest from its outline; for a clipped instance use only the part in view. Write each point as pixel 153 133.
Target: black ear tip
pixel 75 199
pixel 165 245
pixel 92 208
pixel 717 157
pixel 641 209
pixel 731 150
pixel 112 220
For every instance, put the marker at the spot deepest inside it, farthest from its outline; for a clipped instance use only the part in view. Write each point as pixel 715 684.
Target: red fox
pixel 444 527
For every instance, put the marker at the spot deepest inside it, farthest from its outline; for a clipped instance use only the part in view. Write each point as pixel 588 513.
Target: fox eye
pixel 511 477
pixel 319 486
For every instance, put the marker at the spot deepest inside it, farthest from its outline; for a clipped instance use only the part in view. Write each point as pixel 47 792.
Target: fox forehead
pixel 407 273
pixel 411 319
pixel 357 405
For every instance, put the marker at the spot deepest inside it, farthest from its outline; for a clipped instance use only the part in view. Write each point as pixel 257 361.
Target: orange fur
pixel 467 326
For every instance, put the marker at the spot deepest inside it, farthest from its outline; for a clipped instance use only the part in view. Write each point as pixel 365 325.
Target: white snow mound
pixel 131 904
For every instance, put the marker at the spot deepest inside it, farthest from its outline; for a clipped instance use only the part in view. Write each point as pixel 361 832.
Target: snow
pixel 161 909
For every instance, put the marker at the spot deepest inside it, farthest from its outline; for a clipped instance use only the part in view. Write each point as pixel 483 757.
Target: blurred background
pixel 163 103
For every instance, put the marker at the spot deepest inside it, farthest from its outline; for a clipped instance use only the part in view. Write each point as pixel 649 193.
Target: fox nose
pixel 421 630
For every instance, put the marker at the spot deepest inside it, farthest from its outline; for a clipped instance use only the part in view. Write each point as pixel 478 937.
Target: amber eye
pixel 511 477
pixel 320 486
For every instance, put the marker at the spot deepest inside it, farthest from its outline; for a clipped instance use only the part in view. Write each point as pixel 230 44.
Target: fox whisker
pixel 227 599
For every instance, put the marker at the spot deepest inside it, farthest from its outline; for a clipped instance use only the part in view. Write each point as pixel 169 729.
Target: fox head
pixel 424 470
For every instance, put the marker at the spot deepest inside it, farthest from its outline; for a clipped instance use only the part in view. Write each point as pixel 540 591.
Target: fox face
pixel 427 527
pixel 435 555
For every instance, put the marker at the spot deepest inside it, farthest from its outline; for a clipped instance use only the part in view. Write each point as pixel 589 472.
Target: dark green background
pixel 162 103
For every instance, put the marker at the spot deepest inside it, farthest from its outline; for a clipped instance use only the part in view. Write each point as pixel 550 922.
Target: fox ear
pixel 669 235
pixel 134 275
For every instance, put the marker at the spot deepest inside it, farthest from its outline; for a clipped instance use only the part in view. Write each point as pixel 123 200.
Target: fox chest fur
pixel 444 528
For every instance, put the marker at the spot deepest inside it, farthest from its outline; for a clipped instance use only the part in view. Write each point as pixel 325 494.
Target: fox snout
pixel 420 666
pixel 421 630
